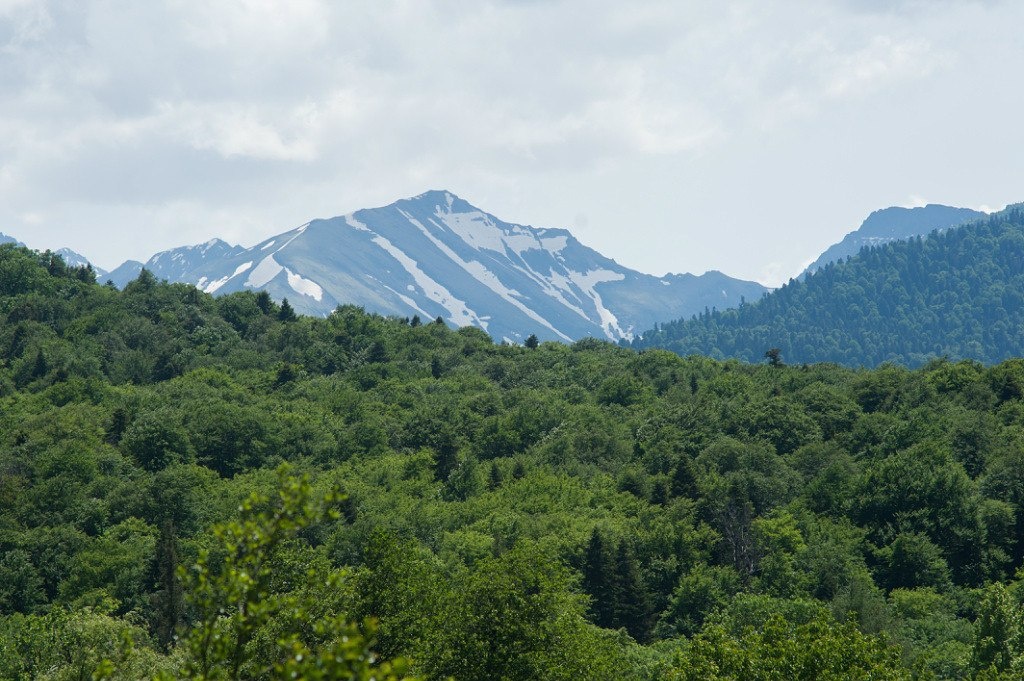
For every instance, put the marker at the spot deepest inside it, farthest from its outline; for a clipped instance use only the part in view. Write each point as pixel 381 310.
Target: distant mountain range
pixel 74 259
pixel 894 224
pixel 435 255
pixel 958 293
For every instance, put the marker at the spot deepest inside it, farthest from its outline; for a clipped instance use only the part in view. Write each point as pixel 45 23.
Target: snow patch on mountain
pixel 587 282
pixel 303 286
pixel 437 255
pixel 350 219
pixel 477 230
pixel 458 310
pixel 409 301
pixel 215 286
pixel 479 272
pixel 264 272
pixel 554 244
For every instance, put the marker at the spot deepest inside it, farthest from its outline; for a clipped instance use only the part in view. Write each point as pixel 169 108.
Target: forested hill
pixel 205 488
pixel 956 294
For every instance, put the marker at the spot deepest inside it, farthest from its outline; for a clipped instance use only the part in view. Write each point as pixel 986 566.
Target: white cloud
pixel 882 62
pixel 984 208
pixel 690 124
pixel 775 274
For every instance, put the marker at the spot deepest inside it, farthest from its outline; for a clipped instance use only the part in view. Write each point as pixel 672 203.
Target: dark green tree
pixel 632 609
pixel 286 313
pixel 599 580
pixel 684 482
pixel 264 302
pixel 495 477
pixel 169 606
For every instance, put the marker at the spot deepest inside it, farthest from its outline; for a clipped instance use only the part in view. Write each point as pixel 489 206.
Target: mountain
pixel 70 257
pixel 74 259
pixel 957 293
pixel 127 271
pixel 435 255
pixel 178 263
pixel 892 224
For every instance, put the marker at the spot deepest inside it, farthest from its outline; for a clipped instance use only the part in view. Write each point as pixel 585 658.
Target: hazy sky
pixel 672 136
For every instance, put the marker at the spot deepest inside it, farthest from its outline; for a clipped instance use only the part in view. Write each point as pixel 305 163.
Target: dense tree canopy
pixel 956 294
pixel 194 487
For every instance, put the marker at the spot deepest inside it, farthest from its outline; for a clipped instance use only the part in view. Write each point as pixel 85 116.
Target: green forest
pixel 215 488
pixel 957 294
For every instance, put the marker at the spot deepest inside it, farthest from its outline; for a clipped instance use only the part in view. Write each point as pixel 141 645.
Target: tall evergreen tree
pixel 684 482
pixel 264 302
pixel 286 313
pixel 377 354
pixel 495 477
pixel 598 580
pixel 170 602
pixel 40 367
pixel 632 610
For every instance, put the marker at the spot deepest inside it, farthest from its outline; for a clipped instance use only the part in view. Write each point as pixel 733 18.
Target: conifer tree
pixel 660 493
pixel 684 482
pixel 495 478
pixel 286 313
pixel 598 580
pixel 631 602
pixel 170 603
pixel 264 303
pixel 40 367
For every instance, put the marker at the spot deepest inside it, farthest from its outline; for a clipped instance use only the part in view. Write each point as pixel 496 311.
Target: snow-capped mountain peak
pixel 437 255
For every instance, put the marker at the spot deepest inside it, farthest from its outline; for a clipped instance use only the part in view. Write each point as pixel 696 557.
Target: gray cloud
pixel 742 136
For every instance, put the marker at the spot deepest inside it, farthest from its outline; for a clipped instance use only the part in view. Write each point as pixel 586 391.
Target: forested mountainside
pixel 956 294
pixel 194 487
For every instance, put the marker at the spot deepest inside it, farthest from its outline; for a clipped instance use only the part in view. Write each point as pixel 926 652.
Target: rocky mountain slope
pixel 435 255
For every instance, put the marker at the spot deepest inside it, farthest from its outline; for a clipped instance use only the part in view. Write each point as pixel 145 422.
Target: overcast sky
pixel 672 136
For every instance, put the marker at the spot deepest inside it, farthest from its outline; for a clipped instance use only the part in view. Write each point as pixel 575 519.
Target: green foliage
pixel 952 294
pixel 820 650
pixel 515 619
pixel 999 641
pixel 68 645
pixel 235 601
pixel 580 511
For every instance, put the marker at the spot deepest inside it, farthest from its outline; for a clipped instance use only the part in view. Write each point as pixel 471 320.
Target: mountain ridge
pixel 437 255
pixel 957 293
pixel 893 224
